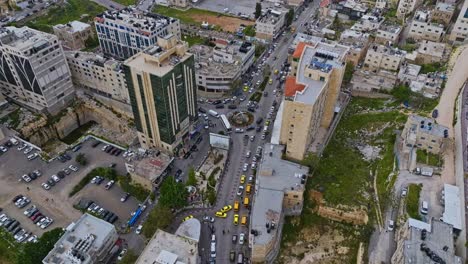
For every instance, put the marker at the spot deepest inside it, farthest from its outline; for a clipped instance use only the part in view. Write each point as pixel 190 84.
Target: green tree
pixel 192 180
pixel 129 258
pixel 249 31
pixel 336 24
pixel 91 43
pixel 173 194
pixel 211 195
pixel 81 159
pixel 258 10
pixel 33 253
pixel 348 74
pixel 289 17
pixel 159 218
pixel 401 93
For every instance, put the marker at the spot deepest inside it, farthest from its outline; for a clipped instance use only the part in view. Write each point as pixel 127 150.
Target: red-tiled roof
pixel 299 48
pixel 292 87
pixel 222 42
pixel 324 3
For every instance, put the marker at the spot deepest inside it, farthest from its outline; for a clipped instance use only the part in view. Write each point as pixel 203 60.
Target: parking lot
pixel 244 7
pixel 55 202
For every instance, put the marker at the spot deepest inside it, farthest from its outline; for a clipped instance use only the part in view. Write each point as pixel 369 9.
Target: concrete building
pixel 217 68
pixel 372 82
pixel 406 7
pixel 124 33
pixel 98 75
pixel 388 33
pixel 311 94
pixel 87 241
pixel 429 52
pixel 424 133
pixel 279 192
pixel 358 44
pixel 181 247
pixel 420 242
pixel 295 3
pixel 408 72
pixel 178 3
pixel 34 71
pixel 368 23
pixel 383 57
pixel 162 87
pixel 350 9
pixel 269 25
pixel 443 13
pixel 429 85
pixel 459 32
pixel 150 171
pixel 74 34
pixel 421 27
pixel 452 207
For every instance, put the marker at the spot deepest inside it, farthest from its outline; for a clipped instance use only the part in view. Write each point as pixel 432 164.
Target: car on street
pixel 73 168
pixel 45 186
pixel 226 208
pixel 236 219
pixel 208 219
pixel 220 214
pixel 138 230
pixel 234 239
pixel 435 113
pixel 245 167
pixel 242 179
pixel 241 238
pixel 247 155
pixel 3 149
pixel 187 218
pixel 240 190
pixel 404 192
pixel 391 225
pixel 124 197
pixel 232 256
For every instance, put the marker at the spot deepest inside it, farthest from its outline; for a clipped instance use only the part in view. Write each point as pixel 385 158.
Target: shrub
pixel 135 189
pixel 108 173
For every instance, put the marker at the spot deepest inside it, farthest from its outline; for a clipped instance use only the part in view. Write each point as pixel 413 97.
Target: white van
pixel 213 250
pixel 213 238
pixel 424 208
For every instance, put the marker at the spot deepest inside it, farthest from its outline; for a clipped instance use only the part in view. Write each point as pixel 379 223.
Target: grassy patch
pixel 13 119
pixel 77 133
pixel 126 2
pixel 422 156
pixel 8 247
pixel 83 10
pixel 259 49
pixel 194 40
pixel 108 173
pixel 412 201
pixel 249 31
pixel 185 16
pixel 417 101
pixel 135 189
pixel 433 67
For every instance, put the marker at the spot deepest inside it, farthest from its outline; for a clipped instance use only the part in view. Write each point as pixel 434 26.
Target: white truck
pixel 213 113
pixel 424 171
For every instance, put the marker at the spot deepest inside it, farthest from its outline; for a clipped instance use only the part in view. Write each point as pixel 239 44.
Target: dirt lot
pixel 230 24
pixel 55 202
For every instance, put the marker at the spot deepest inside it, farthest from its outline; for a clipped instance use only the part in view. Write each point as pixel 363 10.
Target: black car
pixel 95 144
pixel 201 110
pixel 33 176
pixel 232 106
pixel 250 128
pixel 178 173
pixel 16 198
pixel 258 129
pixel 62 158
pixel 199 140
pixel 187 155
pixel 61 174
pixel 251 109
pixel 219 106
pixel 113 219
pixel 66 156
pixel 193 148
pixel 51 182
pixel 109 149
pixel 435 113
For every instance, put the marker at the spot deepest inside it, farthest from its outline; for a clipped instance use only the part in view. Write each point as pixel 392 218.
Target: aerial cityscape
pixel 216 131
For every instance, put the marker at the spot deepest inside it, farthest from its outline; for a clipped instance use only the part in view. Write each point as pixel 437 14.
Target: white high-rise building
pixel 34 71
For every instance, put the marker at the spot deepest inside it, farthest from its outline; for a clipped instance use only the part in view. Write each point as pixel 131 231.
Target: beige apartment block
pixel 74 34
pixel 311 95
pixel 424 133
pixel 388 33
pixel 443 13
pixel 384 57
pixel 268 26
pixel 422 28
pixel 358 44
pixel 459 32
pixel 406 7
pixel 178 3
pixel 430 52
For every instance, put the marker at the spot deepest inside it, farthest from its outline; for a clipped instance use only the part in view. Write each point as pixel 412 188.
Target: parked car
pixel 76 148
pixel 109 184
pixel 124 197
pixel 138 230
pixel 45 186
pixel 73 168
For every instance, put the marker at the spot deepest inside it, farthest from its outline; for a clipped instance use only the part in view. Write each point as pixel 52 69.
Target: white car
pixel 55 178
pixel 122 254
pixel 73 168
pixel 45 186
pixel 3 149
pixel 241 238
pixel 391 225
pixel 240 190
pixel 33 156
pixel 21 147
pixel 27 150
pixel 248 154
pixel 138 230
pixel 26 178
pixel 246 167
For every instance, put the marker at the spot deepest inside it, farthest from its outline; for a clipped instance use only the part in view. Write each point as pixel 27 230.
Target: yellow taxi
pixel 236 219
pixel 246 88
pixel 242 179
pixel 270 81
pixel 226 208
pixel 188 217
pixel 221 214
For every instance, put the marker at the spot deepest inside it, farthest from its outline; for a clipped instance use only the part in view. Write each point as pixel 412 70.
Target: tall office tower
pixel 126 32
pixel 34 71
pixel 162 89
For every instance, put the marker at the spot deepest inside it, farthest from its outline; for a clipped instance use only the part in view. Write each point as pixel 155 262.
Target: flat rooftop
pixel 157 60
pixel 354 39
pixel 73 26
pixel 274 177
pixel 390 27
pixel 354 5
pixel 271 16
pixel 452 212
pixel 135 20
pixel 25 38
pixel 91 58
pixel 190 229
pixel 435 49
pixel 84 237
pixel 169 249
pixel 426 125
pixel 383 49
pixel 152 167
pixel 439 241
pixel 410 69
pixel 445 7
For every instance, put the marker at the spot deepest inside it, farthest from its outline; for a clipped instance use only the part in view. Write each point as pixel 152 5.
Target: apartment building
pixel 350 9
pixel 373 82
pixel 421 27
pixel 388 33
pixel 443 13
pixel 279 192
pixel 383 57
pixel 73 35
pixel 124 33
pixel 86 241
pixel 424 133
pixel 34 71
pixel 429 85
pixel 311 94
pixel 408 72
pixel 178 3
pixel 99 75
pixel 162 88
pixel 429 52
pixel 406 7
pixel 217 68
pixel 459 32
pixel 368 23
pixel 268 26
pixel 358 44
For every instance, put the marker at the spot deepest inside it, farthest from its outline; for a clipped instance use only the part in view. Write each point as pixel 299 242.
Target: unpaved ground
pixel 230 24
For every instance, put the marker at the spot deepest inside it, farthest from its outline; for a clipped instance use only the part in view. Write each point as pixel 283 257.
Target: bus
pixel 226 123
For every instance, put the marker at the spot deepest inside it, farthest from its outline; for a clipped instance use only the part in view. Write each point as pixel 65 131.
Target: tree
pixel 401 93
pixel 159 218
pixel 336 24
pixel 348 74
pixel 258 10
pixel 33 253
pixel 249 31
pixel 81 159
pixel 289 17
pixel 173 194
pixel 91 42
pixel 192 180
pixel 211 195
